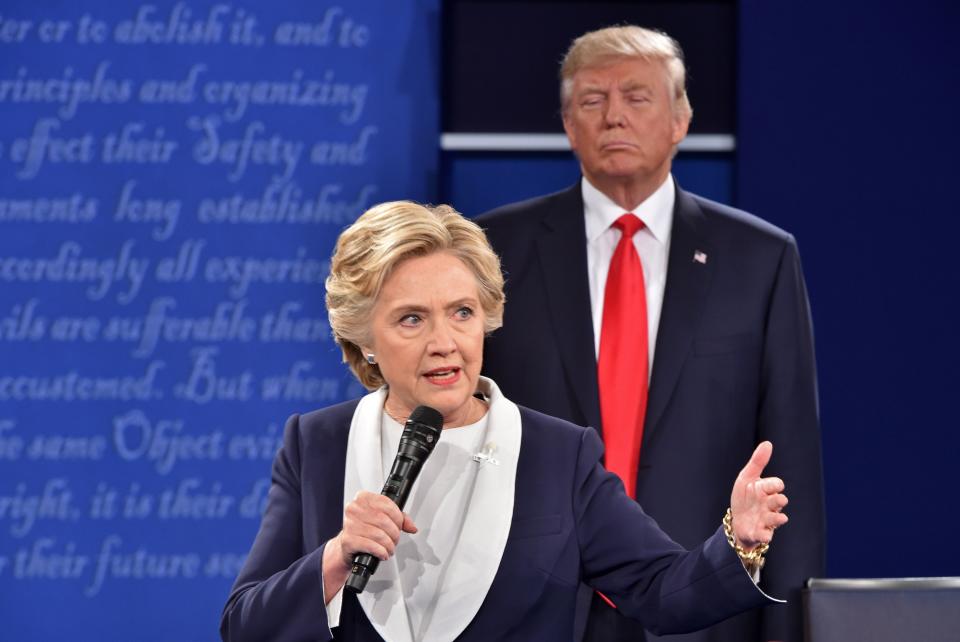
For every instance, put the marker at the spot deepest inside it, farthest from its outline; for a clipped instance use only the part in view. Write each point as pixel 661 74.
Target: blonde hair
pixel 379 240
pixel 603 46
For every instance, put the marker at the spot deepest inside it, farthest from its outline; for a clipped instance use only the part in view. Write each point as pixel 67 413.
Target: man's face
pixel 621 122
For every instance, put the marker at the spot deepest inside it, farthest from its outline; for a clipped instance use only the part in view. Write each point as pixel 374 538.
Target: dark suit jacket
pixel 571 522
pixel 733 365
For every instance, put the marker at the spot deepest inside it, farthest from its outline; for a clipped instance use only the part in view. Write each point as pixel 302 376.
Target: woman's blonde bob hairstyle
pixel 369 250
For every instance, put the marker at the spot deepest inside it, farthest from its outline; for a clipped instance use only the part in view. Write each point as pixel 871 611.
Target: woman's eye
pixel 464 312
pixel 410 319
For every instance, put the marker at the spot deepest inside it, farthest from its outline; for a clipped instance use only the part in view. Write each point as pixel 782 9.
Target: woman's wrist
pixel 751 557
pixel 333 569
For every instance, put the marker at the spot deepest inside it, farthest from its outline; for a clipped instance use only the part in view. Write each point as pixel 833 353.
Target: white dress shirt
pixel 652 243
pixel 438 504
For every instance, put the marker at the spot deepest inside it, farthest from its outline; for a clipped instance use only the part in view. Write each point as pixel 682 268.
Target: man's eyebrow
pixel 634 85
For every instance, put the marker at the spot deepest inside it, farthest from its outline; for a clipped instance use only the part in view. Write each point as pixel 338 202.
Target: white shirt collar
pixel 656 212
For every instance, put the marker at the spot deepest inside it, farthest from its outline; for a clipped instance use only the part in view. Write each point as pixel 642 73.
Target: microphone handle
pixel 397 489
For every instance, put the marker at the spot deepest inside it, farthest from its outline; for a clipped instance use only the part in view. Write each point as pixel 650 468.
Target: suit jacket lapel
pixel 562 250
pixel 486 526
pixel 688 281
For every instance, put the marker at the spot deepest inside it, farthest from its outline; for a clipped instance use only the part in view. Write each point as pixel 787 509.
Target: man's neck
pixel 630 192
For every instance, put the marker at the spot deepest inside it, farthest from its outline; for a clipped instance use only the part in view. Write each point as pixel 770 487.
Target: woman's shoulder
pixel 334 414
pixel 537 425
pixel 330 423
pixel 554 448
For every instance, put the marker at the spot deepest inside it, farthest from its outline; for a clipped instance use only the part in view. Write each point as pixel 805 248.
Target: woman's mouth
pixel 442 376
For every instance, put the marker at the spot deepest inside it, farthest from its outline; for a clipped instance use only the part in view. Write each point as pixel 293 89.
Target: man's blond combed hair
pixel 368 251
pixel 605 46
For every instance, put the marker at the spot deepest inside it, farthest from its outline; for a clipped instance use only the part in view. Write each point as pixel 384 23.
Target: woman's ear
pixel 369 355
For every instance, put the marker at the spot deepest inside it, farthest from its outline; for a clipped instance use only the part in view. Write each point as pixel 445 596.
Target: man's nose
pixel 614 114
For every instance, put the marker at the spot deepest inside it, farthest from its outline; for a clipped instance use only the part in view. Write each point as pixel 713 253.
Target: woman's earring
pixel 371 359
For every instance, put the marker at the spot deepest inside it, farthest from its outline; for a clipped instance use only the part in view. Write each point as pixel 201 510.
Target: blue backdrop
pixel 174 175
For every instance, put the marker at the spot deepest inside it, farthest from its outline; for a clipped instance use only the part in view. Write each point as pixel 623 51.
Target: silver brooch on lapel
pixel 486 455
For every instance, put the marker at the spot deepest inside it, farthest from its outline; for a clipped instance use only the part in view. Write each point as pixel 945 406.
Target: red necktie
pixel 622 365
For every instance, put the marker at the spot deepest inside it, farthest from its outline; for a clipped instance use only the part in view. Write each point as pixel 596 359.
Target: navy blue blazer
pixel 734 365
pixel 572 522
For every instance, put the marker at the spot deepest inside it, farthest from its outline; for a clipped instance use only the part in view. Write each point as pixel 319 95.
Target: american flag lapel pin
pixel 700 257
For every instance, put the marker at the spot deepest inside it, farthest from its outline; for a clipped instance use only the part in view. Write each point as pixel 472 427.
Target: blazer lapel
pixel 689 272
pixel 562 249
pixel 486 526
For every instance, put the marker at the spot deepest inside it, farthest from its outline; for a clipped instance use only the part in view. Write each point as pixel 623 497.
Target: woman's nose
pixel 441 339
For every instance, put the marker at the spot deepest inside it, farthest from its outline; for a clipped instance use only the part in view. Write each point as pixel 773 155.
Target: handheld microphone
pixel 420 436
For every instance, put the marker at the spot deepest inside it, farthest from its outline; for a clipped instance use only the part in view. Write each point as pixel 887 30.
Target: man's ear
pixel 681 123
pixel 568 129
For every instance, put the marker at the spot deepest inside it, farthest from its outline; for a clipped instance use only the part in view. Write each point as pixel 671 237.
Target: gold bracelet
pixel 752 559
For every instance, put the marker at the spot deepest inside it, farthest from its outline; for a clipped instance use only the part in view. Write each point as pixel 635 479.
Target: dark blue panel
pixel 848 137
pixel 482 80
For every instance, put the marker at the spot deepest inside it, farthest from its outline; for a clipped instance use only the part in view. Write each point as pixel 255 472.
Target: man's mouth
pixel 617 145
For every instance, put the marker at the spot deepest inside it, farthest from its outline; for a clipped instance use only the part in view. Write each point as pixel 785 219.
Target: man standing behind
pixel 678 327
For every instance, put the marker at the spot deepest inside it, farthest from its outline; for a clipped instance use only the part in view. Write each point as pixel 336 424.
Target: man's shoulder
pixel 736 223
pixel 531 210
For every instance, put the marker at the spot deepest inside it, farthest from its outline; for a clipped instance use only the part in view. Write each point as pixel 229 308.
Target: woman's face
pixel 427 337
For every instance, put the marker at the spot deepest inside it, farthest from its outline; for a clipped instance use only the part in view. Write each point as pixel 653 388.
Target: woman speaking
pixel 511 512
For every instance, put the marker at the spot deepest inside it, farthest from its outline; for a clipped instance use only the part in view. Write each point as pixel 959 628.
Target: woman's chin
pixel 452 404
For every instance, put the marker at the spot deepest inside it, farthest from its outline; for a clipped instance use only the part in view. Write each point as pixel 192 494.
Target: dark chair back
pixel 888 610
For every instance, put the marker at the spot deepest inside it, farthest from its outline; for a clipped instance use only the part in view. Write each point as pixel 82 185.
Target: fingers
pixel 758 461
pixel 776 520
pixel 408 525
pixel 776 503
pixel 762 530
pixel 757 507
pixel 372 524
pixel 773 521
pixel 769 485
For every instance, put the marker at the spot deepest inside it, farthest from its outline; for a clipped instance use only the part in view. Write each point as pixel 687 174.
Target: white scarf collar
pixel 485 529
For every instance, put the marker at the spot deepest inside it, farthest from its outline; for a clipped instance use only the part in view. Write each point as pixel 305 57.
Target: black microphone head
pixel 426 415
pixel 420 434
